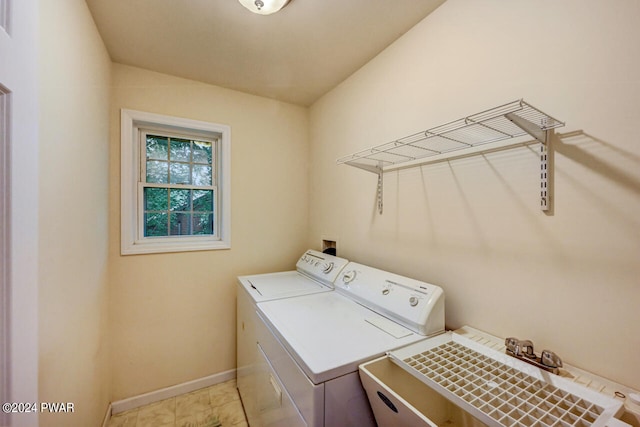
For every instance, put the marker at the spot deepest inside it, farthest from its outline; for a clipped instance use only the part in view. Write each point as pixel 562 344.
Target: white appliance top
pixel 315 272
pixel 330 334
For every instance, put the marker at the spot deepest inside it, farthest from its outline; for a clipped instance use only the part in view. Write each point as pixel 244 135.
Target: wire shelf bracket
pixel 495 129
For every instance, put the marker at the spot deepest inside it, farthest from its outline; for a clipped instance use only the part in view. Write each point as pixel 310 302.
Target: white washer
pixel 315 273
pixel 314 343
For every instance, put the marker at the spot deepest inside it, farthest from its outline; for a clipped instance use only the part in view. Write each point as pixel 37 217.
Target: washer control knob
pixel 413 301
pixel 349 276
pixel 327 268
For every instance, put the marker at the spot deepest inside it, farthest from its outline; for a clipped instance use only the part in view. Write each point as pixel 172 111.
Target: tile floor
pixel 193 409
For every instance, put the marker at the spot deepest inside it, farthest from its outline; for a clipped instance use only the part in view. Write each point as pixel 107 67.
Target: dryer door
pixel 275 406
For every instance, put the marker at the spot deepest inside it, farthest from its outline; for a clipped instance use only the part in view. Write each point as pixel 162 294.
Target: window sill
pixel 168 245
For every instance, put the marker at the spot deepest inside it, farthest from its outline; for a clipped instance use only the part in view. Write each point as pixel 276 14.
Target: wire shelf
pixel 507 121
pixel 466 136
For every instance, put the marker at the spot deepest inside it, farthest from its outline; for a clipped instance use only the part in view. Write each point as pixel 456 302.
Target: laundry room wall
pixel 172 316
pixel 74 86
pixel 567 280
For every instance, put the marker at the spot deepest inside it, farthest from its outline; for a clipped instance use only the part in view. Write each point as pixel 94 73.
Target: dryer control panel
pixel 417 305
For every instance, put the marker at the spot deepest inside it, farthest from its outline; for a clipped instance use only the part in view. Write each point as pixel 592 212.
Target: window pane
pixel 157 171
pixel 201 175
pixel 180 173
pixel 155 199
pixel 202 152
pixel 155 224
pixel 180 150
pixel 180 224
pixel 203 223
pixel 157 147
pixel 180 200
pixel 178 211
pixel 202 200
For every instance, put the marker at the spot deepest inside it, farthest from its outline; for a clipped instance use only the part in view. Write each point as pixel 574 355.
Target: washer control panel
pixel 412 303
pixel 320 266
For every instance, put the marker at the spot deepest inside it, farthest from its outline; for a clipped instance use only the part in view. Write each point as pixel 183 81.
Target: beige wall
pixel 568 281
pixel 74 148
pixel 172 316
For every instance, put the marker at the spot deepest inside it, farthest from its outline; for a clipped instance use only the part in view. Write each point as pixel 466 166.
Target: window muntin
pixel 178 186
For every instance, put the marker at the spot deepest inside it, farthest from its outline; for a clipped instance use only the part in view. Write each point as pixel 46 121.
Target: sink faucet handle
pixel 511 344
pixel 525 347
pixel 550 359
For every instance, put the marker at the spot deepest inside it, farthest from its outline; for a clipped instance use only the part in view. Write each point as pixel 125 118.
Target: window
pixel 177 185
pixel 174 183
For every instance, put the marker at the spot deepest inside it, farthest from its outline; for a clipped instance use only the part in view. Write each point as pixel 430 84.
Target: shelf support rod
pixel 379 190
pixel 546 176
pixel 378 171
pixel 536 131
pixel 375 169
pixel 540 133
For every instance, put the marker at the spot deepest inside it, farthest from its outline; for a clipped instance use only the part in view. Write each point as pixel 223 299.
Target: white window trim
pixel 130 244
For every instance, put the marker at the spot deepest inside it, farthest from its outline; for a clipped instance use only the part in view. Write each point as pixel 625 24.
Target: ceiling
pixel 296 55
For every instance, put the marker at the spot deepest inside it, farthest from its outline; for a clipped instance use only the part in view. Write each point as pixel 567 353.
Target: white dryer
pixel 315 273
pixel 314 343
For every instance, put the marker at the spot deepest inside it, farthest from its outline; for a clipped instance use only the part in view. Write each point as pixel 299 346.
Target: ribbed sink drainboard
pixel 505 394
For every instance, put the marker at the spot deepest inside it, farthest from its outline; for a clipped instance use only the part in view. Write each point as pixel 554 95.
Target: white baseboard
pixel 107 416
pixel 169 392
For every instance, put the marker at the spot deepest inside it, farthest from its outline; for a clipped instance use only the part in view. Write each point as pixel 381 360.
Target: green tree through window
pixel 179 187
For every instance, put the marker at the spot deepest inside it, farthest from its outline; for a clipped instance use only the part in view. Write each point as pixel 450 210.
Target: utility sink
pixel 492 387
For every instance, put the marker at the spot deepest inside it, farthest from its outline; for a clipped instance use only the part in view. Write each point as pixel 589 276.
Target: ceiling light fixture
pixel 264 7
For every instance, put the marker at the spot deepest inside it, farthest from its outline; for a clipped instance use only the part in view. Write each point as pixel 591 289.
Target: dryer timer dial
pixel 349 276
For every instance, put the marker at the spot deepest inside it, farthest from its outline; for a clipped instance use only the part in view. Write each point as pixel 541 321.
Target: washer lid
pixel 315 272
pixel 285 284
pixel 329 335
